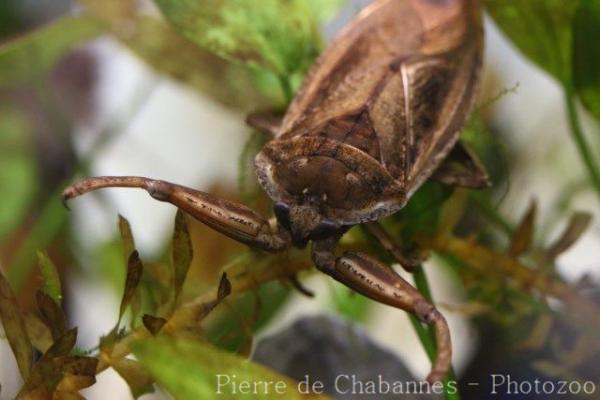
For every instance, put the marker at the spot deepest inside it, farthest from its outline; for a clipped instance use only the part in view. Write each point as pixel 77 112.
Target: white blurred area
pixel 177 135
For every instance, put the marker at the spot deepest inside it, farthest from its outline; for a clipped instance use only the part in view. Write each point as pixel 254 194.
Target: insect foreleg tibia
pixel 232 219
pixel 377 281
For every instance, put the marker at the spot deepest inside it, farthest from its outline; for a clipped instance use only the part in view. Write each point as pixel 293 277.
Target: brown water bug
pixel 379 113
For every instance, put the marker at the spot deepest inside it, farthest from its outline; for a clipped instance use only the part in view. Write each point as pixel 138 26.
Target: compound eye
pixel 282 213
pixel 325 229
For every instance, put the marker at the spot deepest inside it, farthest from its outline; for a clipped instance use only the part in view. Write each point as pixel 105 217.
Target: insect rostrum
pixel 379 113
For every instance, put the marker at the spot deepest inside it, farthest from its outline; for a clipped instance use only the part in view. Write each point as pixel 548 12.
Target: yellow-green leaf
pixel 38 332
pixel 52 286
pixel 25 59
pixel 191 370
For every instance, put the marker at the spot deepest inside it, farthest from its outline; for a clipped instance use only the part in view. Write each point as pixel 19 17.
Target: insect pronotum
pixel 379 113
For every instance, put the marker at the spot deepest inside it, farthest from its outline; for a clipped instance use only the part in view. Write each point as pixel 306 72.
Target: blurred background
pixel 104 108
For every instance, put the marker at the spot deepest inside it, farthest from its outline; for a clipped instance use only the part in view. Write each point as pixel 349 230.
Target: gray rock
pixel 342 357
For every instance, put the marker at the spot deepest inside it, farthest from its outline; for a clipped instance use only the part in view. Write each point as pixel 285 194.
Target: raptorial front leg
pixel 371 278
pixel 232 219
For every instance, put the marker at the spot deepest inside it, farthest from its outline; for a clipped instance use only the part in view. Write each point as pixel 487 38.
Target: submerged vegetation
pixel 194 315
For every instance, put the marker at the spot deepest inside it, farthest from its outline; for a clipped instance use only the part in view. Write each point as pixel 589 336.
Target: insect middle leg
pixel 232 219
pixel 268 122
pixel 381 283
pixel 408 261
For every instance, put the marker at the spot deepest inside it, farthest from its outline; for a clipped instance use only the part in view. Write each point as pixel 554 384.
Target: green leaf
pixel 190 371
pixel 348 303
pixel 586 54
pixel 280 36
pixel 14 328
pixel 52 285
pixel 230 329
pixel 182 253
pixel 28 58
pixel 541 29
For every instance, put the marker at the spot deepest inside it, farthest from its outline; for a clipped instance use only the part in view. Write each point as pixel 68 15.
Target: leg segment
pixel 463 168
pixel 379 282
pixel 406 261
pixel 265 122
pixel 232 219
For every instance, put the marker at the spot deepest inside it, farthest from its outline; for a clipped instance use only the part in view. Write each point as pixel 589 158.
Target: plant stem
pixel 286 87
pixel 580 141
pixel 426 333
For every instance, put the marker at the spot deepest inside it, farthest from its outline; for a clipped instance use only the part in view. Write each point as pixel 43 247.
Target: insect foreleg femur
pixel 232 219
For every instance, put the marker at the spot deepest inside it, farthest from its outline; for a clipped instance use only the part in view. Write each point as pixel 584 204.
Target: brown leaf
pixel 48 371
pixel 578 224
pixel 79 372
pixel 223 291
pixel 139 381
pixel 51 314
pixel 14 328
pixel 153 324
pixel 73 383
pixel 181 253
pixel 134 275
pixel 224 287
pixel 523 237
pixel 63 375
pixel 67 396
pixel 62 346
pixel 80 365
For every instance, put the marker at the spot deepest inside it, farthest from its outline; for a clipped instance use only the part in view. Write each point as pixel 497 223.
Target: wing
pixel 412 66
pixel 349 71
